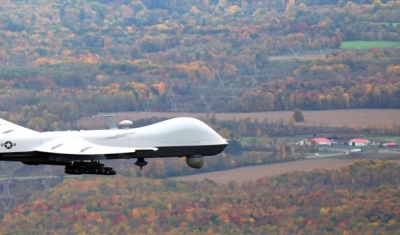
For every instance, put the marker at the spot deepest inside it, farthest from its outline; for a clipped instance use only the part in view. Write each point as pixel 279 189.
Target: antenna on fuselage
pixel 109 120
pixel 125 124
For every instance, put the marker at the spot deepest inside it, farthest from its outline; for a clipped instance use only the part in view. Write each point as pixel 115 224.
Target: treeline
pixel 367 79
pixel 358 199
pixel 126 30
pixel 60 61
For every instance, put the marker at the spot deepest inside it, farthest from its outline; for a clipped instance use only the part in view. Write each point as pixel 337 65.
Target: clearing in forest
pixel 362 45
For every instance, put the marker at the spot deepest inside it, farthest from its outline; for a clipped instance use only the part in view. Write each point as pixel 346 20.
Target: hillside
pixel 61 60
pixel 357 199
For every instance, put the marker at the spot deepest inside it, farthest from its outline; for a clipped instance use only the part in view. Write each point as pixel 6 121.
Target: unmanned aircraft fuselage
pixel 81 151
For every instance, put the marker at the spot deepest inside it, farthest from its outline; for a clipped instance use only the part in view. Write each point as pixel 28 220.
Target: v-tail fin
pixel 7 127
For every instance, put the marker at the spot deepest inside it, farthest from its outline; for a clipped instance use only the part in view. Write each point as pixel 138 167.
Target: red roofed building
pixel 390 144
pixel 359 142
pixel 322 141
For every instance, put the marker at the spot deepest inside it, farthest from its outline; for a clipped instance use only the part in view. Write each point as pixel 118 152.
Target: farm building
pixel 389 145
pixel 322 141
pixel 318 141
pixel 302 142
pixel 359 142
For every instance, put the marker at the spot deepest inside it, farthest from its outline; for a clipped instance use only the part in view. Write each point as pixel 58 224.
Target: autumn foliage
pixel 60 61
pixel 361 198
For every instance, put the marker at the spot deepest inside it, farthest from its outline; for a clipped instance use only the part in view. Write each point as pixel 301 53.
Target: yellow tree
pixel 394 69
pixel 258 132
pixel 233 9
pixel 160 87
pixel 242 128
pixel 37 123
pixel 346 98
pixel 224 132
pixel 290 5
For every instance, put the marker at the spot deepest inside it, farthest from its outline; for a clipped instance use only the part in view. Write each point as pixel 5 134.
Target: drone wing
pixel 82 147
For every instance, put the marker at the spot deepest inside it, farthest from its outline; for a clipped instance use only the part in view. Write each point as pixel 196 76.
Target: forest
pixel 63 60
pixel 361 198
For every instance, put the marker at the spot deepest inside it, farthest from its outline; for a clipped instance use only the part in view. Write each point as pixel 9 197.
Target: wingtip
pixel 233 139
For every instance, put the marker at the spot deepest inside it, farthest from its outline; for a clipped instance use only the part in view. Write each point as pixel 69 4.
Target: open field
pixel 319 54
pixel 361 45
pixel 250 173
pixel 300 55
pixel 243 174
pixel 331 118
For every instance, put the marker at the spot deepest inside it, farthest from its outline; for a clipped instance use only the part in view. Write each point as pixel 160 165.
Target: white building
pixel 359 142
pixel 318 141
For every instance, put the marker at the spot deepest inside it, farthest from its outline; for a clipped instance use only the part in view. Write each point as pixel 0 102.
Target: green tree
pixel 298 115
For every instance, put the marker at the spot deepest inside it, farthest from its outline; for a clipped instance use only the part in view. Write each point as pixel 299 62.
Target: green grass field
pixel 361 45
pixel 383 138
pixel 393 24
